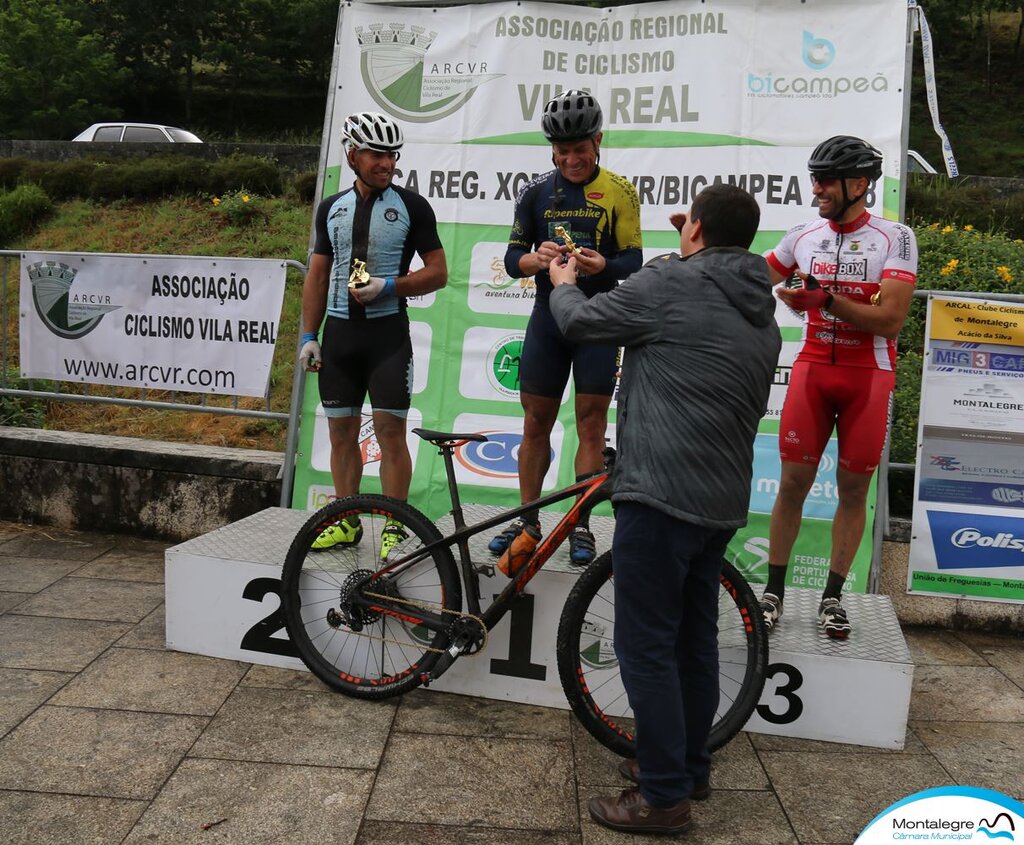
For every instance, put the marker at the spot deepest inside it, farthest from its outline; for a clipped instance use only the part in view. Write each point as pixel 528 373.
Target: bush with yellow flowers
pixel 239 208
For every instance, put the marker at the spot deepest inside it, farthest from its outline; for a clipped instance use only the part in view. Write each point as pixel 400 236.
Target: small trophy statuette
pixel 359 277
pixel 569 242
pixel 876 298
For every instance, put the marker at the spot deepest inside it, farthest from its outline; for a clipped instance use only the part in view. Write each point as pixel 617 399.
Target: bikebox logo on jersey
pixel 818 53
pixel 948 814
pixel 491 289
pixel 67 313
pixel 849 269
pixel 495 462
pixel 976 541
pixel 403 82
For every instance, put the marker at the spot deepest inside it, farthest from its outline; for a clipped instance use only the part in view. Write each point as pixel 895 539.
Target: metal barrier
pixel 9 311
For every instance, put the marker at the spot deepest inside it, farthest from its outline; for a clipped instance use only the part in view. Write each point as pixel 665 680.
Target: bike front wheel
pixel 589 669
pixel 355 610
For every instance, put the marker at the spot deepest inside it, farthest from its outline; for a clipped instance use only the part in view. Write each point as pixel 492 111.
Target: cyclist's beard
pixel 848 203
pixel 372 187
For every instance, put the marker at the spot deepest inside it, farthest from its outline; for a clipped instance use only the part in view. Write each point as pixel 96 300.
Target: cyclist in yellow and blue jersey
pixel 582 208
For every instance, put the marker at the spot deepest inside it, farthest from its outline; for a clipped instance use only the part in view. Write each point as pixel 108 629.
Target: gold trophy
pixel 876 298
pixel 359 277
pixel 569 242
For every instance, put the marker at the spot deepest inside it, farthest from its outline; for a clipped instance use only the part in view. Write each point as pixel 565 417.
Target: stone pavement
pixel 106 737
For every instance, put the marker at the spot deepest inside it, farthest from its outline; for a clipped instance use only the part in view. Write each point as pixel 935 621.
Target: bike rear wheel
pixel 328 595
pixel 589 669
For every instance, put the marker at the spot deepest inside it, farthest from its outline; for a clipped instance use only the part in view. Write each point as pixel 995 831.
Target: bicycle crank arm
pixel 469 635
pixel 443 664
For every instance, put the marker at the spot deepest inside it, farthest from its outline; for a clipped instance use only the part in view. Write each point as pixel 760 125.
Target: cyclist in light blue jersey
pixel 374 227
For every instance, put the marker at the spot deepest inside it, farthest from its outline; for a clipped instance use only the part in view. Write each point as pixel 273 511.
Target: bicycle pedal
pixel 485 569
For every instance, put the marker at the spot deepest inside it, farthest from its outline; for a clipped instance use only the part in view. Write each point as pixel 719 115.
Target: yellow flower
pixel 1004 273
pixel 216 200
pixel 932 227
pixel 245 198
pixel 950 267
pixel 968 228
pixel 947 229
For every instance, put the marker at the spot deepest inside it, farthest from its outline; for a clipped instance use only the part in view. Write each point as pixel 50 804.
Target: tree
pixel 54 80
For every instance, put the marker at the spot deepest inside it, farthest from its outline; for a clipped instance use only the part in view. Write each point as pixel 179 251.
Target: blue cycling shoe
pixel 581 546
pixel 503 540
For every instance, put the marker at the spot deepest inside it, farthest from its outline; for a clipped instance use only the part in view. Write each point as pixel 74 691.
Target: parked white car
pixel 152 133
pixel 916 163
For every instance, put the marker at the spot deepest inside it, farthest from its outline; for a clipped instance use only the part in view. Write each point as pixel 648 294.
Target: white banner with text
pixel 199 325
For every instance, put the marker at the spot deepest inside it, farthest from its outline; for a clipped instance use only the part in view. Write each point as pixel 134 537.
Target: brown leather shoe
pixel 630 770
pixel 629 811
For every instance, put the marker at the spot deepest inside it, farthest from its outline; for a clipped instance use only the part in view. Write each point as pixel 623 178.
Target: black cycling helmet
pixel 571 116
pixel 846 157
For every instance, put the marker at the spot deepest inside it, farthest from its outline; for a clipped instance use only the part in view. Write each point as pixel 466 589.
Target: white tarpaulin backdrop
pixel 693 93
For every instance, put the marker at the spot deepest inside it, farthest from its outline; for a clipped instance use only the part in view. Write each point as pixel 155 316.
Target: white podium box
pixel 222 601
pixel 853 691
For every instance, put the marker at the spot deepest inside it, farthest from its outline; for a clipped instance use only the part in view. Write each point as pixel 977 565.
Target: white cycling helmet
pixel 369 130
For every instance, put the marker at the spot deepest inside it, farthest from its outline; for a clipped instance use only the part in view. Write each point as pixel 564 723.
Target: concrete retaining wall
pixel 177 491
pixel 171 491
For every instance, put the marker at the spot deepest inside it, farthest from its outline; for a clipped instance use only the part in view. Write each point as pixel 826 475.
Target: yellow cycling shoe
pixel 342 533
pixel 393 535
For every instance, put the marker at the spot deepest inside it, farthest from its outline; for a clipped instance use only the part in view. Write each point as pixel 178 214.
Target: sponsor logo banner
pixel 199 325
pixel 948 814
pixel 764 486
pixel 976 541
pixel 491 289
pixel 956 492
pixel 369 448
pixel 978 321
pixel 495 463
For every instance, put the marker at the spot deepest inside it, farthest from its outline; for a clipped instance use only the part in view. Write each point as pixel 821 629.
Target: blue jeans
pixel 666 577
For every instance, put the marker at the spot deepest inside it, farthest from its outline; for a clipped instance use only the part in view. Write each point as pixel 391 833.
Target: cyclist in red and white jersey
pixel 857 274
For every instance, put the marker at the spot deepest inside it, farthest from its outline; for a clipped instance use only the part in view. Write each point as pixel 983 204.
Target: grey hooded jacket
pixel 702 345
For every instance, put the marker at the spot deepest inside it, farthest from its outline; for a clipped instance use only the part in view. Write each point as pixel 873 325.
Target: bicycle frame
pixel 591 491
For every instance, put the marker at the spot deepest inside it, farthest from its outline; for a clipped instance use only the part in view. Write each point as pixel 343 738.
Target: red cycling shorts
pixel 853 400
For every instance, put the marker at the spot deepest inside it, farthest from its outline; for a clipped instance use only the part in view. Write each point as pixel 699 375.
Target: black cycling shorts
pixel 366 356
pixel 547 356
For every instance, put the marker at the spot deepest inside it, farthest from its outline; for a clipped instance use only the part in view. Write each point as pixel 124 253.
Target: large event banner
pixel 968 535
pixel 200 325
pixel 693 94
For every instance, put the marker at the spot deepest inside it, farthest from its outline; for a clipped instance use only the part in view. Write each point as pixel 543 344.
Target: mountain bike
pixel 374 626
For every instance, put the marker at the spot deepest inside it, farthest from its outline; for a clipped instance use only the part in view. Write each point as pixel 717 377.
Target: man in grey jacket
pixel 701 349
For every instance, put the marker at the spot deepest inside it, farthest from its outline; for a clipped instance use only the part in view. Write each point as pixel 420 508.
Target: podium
pixel 222 600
